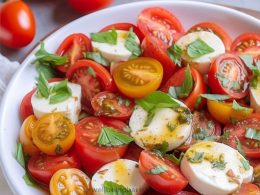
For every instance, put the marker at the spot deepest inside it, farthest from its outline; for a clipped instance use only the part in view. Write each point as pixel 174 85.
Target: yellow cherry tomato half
pixel 54 134
pixel 138 77
pixel 69 181
pixel 25 137
pixel 224 113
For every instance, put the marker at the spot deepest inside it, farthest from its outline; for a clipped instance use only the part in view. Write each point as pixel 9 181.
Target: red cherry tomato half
pixel 169 182
pixel 93 156
pixel 112 105
pixel 42 167
pixel 161 24
pixel 199 87
pixel 17 24
pixel 248 189
pixel 245 41
pixel 228 75
pixel 87 6
pixel 251 147
pixel 73 47
pixel 126 27
pixel 93 79
pixel 216 29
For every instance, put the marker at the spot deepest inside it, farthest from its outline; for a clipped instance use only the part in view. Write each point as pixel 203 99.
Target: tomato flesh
pixel 245 41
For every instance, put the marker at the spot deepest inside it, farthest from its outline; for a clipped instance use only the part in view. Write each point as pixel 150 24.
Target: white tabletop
pixel 51 15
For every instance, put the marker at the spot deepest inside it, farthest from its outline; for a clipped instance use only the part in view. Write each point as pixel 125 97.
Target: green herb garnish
pixel 109 37
pixel 175 53
pixel 131 44
pixel 97 57
pixel 198 48
pixel 252 133
pixel 215 97
pixel 112 188
pixel 157 170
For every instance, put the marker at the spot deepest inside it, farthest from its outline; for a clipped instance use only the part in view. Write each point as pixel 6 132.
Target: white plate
pixel 23 81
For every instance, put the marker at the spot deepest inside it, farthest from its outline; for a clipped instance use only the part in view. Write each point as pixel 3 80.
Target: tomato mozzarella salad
pixel 146 108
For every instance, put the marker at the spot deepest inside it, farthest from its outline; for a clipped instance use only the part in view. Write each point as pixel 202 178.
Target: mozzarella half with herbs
pixel 70 107
pixel 215 167
pixel 171 125
pixel 202 63
pixel 121 172
pixel 255 98
pixel 117 52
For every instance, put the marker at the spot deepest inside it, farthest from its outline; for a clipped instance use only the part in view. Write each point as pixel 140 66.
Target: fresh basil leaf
pixel 172 92
pixel 236 106
pixel 111 137
pixel 219 163
pixel 131 44
pixel 29 180
pixel 248 60
pixel 109 37
pixel 127 129
pixel 149 118
pixel 43 86
pixel 157 170
pixel 245 163
pixel 92 72
pixel 112 188
pixel 256 77
pixel 253 134
pixel 197 157
pixel 223 80
pixel 175 53
pixel 47 71
pixel 239 147
pixel 224 138
pixel 59 97
pixel 45 58
pixel 198 48
pixel 215 97
pixel 174 159
pixel 202 134
pixel 163 148
pixel 198 102
pixel 97 57
pixel 19 155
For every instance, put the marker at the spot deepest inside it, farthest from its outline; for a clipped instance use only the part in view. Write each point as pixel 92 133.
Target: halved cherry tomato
pixel 138 77
pixel 156 49
pixel 245 41
pixel 248 189
pixel 73 181
pixel 93 156
pixel 25 137
pixel 199 87
pixel 53 134
pixel 112 105
pixel 169 182
pixel 204 127
pixel 153 192
pixel 42 167
pixel 228 75
pixel 227 113
pixel 216 29
pixel 17 24
pixel 93 79
pixel 73 47
pixel 254 51
pixel 251 147
pixel 87 6
pixel 126 27
pixel 161 24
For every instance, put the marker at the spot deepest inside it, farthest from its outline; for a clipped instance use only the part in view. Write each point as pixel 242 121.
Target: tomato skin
pixel 161 24
pixel 90 85
pixel 239 74
pixel 91 154
pixel 237 45
pixel 42 167
pixel 238 131
pixel 26 106
pixel 16 33
pixel 107 104
pixel 248 189
pixel 216 29
pixel 73 46
pixel 126 27
pixel 199 87
pixel 170 182
pixel 87 6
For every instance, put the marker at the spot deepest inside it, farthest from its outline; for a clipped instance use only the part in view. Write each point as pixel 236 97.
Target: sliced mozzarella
pixel 70 107
pixel 206 178
pixel 255 98
pixel 202 63
pixel 158 131
pixel 123 172
pixel 115 53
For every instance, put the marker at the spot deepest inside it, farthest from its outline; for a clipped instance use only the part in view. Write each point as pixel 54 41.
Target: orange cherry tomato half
pixel 73 47
pixel 25 137
pixel 53 134
pixel 216 29
pixel 73 181
pixel 245 41
pixel 248 189
pixel 17 24
pixel 228 75
pixel 169 182
pixel 199 87
pixel 138 77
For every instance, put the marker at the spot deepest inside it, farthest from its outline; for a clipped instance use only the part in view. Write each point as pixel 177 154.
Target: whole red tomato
pixel 17 24
pixel 86 6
